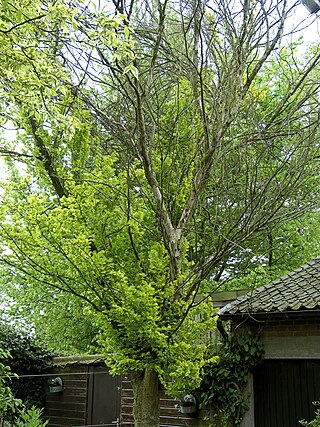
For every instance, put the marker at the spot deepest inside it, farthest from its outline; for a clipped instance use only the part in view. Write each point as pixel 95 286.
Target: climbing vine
pixel 223 386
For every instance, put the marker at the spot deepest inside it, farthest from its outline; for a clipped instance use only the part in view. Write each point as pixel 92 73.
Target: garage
pixel 286 391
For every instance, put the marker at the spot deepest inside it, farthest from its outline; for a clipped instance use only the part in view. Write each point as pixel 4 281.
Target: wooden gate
pixel 286 391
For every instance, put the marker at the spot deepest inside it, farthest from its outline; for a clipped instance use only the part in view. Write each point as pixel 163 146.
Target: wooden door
pixel 103 397
pixel 286 391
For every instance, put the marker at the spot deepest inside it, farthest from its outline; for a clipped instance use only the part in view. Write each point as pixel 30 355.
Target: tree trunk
pixel 146 404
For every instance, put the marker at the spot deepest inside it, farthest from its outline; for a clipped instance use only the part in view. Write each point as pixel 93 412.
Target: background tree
pixel 58 320
pixel 157 142
pixel 278 251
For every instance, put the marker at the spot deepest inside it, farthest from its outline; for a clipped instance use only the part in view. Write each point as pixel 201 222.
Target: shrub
pixel 313 423
pixel 8 403
pixel 30 418
pixel 24 357
pixel 20 397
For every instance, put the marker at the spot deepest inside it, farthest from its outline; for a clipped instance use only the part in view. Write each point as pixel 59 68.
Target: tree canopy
pixel 154 143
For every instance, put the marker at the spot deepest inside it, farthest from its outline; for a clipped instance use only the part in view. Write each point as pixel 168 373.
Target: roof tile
pixel 298 290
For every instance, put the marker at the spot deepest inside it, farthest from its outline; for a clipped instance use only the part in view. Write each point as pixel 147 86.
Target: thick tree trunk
pixel 146 405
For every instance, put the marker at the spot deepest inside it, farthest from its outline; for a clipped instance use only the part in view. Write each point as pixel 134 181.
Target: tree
pixel 273 253
pixel 154 148
pixel 57 319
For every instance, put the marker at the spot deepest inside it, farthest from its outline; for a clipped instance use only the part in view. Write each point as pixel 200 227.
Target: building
pixel 285 388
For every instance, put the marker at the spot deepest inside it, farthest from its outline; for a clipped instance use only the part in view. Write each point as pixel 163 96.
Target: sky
pixel 305 24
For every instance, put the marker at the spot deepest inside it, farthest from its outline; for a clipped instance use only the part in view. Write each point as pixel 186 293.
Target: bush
pixel 20 416
pixel 20 397
pixel 8 403
pixel 30 418
pixel 313 423
pixel 24 357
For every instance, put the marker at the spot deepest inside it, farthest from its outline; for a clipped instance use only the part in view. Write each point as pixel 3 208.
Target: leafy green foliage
pixel 13 408
pixel 222 389
pixel 139 323
pixel 8 403
pixel 313 423
pixel 30 418
pixel 271 254
pixel 24 357
pixel 179 361
pixel 65 325
pixel 56 318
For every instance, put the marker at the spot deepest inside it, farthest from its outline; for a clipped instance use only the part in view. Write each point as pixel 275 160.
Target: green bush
pixel 20 398
pixel 30 418
pixel 19 415
pixel 8 403
pixel 313 423
pixel 24 357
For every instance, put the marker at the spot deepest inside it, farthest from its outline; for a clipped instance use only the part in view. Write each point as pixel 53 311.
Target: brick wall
pixel 289 327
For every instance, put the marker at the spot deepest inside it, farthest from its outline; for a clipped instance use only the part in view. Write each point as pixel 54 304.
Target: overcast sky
pixel 305 25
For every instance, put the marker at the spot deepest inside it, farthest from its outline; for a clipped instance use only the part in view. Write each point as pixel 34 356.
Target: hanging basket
pixel 188 404
pixel 55 385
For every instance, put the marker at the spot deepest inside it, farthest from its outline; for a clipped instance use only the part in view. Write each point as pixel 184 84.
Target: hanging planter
pixel 55 385
pixel 188 404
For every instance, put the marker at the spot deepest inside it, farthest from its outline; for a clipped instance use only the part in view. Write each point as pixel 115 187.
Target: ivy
pixel 23 356
pixel 223 386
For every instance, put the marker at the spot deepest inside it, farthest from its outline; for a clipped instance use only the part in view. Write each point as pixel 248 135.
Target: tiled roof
pixel 298 290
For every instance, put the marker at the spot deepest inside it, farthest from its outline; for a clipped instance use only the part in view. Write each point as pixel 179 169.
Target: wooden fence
pixel 93 397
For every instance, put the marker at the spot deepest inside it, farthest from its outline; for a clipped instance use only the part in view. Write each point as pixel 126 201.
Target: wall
pixel 68 408
pixel 93 397
pixel 289 338
pixel 293 337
